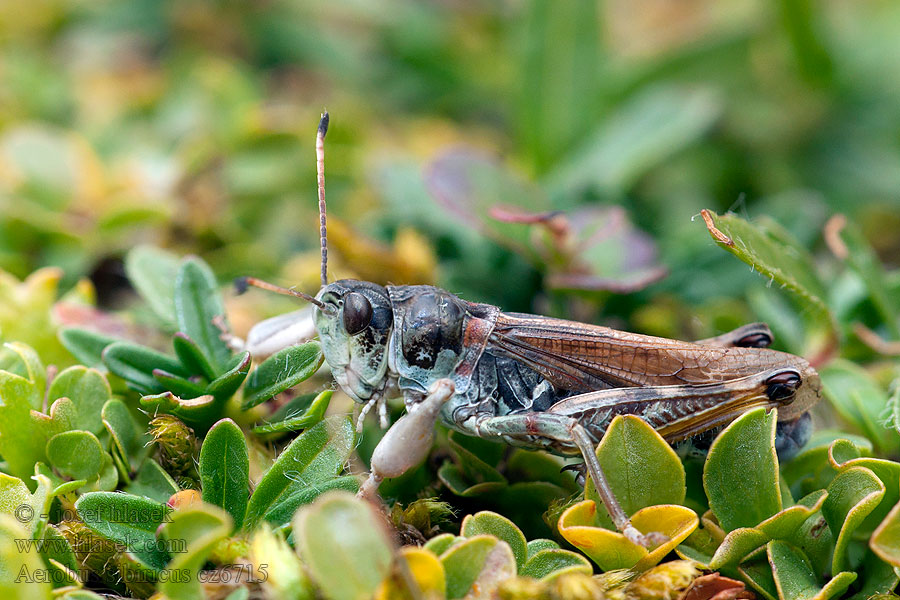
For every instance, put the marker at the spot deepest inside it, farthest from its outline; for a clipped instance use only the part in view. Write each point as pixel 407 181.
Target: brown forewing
pixel 580 357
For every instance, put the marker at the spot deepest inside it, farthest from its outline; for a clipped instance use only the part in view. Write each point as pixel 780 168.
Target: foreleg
pixel 408 441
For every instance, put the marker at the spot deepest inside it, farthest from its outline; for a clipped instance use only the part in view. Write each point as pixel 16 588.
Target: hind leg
pixel 570 432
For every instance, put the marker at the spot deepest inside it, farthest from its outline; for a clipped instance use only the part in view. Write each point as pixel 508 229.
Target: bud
pixel 664 582
pixel 575 586
pixel 184 499
pixel 176 442
pixel 94 552
pixel 522 588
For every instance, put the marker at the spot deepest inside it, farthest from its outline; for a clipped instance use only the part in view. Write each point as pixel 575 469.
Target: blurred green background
pixel 458 127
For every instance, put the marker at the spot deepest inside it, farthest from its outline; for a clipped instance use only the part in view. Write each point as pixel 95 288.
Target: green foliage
pixel 199 529
pixel 823 524
pixel 224 470
pixel 305 469
pixel 527 487
pixel 131 521
pixel 14 561
pixel 281 371
pixel 196 384
pixel 198 381
pixel 345 546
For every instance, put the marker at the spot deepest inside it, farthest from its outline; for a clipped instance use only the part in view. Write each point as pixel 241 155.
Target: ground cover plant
pixel 132 472
pixel 547 156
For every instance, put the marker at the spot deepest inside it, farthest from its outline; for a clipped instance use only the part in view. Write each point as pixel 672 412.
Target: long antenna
pixel 242 283
pixel 320 179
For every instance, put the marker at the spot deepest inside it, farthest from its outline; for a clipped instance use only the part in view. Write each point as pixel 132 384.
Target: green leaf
pixel 771 252
pixel 225 469
pixel 62 576
pixel 641 468
pixel 343 543
pixel 88 390
pixel 758 574
pixel 473 474
pixel 198 305
pixel 286 577
pixel 281 371
pixel 546 563
pixel 226 384
pixel 63 417
pixel 180 386
pixel 57 547
pixel 300 415
pixel 14 560
pixel 153 272
pixel 76 454
pixel 795 578
pixel 861 401
pixel 129 520
pixel 129 440
pixel 887 471
pixel 645 130
pixel 109 476
pixel 490 523
pixel 875 577
pixel 280 512
pixel 741 472
pixel 559 76
pixel 440 543
pixel 153 482
pixel 317 455
pixel 200 412
pixel 852 495
pixel 864 261
pixel 815 539
pixel 743 541
pixel 810 469
pixel 192 357
pixel 31 509
pixel 885 542
pixel 22 440
pixel 198 529
pixel 135 364
pixel 535 546
pixel 476 565
pixel 19 359
pixel 13 494
pixel 85 345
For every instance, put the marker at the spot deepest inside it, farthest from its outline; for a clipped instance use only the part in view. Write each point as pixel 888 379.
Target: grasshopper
pixel 535 381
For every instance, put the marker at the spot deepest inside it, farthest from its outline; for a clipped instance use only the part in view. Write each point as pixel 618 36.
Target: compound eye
pixel 783 385
pixel 357 312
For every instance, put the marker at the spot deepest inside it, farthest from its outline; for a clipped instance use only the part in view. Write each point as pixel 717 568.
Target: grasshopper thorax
pixel 354 327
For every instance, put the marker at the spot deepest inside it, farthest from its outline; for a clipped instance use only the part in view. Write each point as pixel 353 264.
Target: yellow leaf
pixel 423 569
pixel 611 550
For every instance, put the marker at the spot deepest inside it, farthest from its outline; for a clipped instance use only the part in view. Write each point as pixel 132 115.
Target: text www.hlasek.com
pixel 96 545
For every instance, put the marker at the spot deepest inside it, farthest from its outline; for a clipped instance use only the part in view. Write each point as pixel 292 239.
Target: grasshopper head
pixel 354 330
